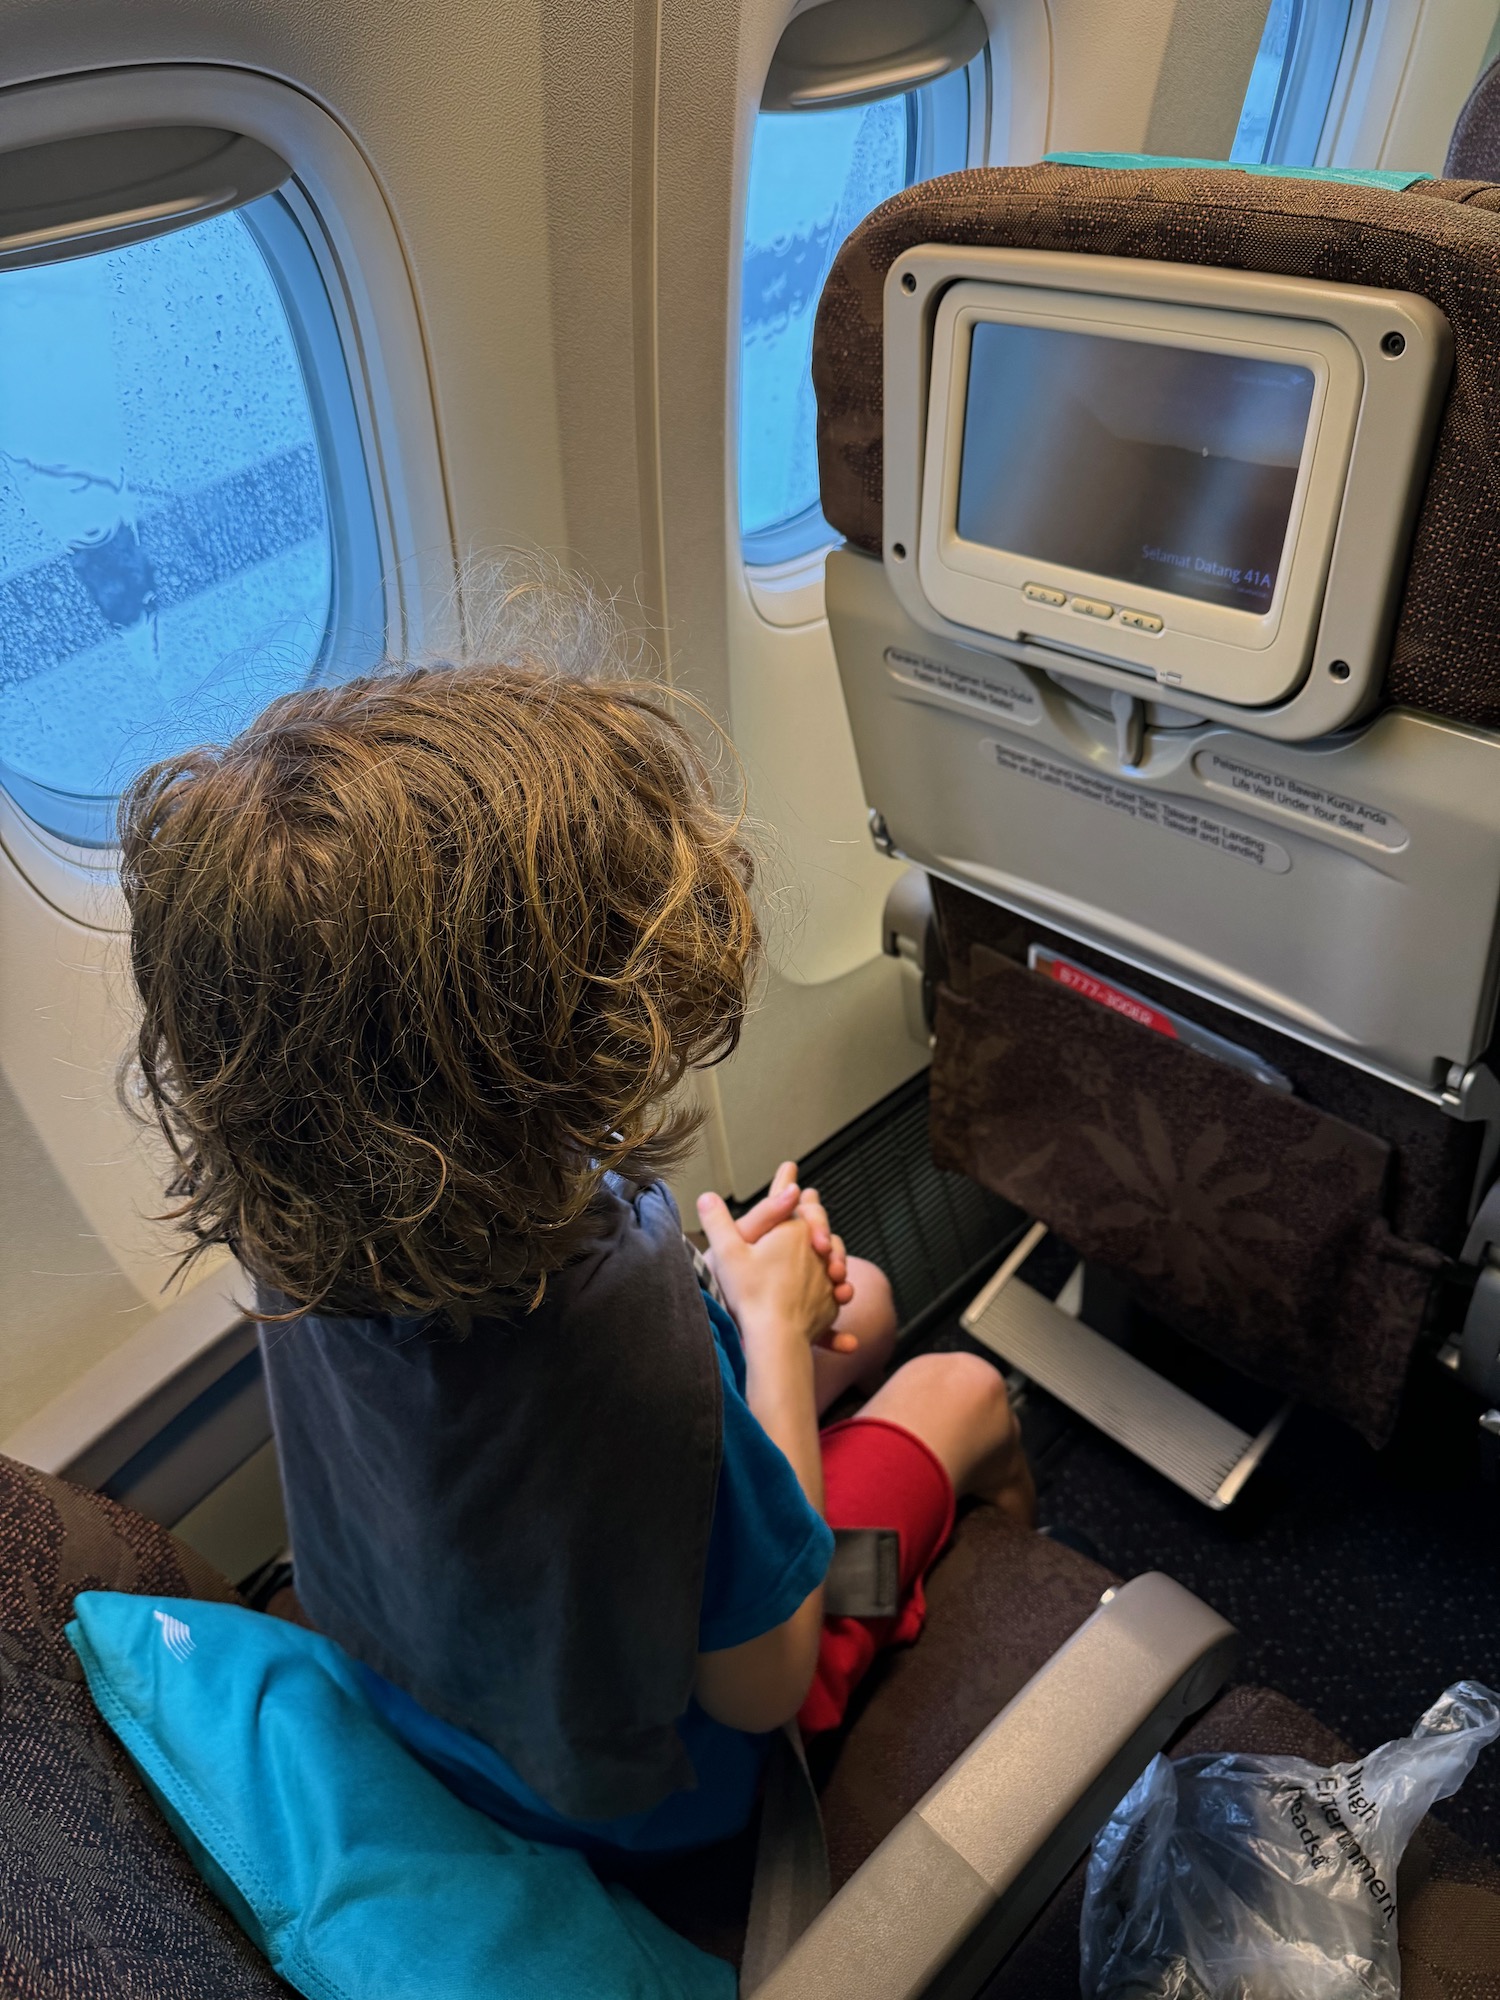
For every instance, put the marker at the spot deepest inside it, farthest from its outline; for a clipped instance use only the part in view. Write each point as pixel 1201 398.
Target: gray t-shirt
pixel 512 1525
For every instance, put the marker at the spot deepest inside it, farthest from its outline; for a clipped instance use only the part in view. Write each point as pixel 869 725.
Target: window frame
pixel 285 239
pixel 290 236
pixel 1323 37
pixel 368 282
pixel 941 137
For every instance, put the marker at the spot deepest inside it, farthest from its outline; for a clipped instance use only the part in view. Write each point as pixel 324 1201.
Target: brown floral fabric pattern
pixel 1434 1158
pixel 1439 240
pixel 1248 1219
pixel 97 1899
pixel 1475 145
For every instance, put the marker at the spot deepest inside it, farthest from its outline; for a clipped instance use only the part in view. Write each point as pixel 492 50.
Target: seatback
pixel 1307 865
pixel 1474 150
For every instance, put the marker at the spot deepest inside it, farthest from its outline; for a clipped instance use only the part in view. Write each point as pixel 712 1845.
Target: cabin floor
pixel 1362 1583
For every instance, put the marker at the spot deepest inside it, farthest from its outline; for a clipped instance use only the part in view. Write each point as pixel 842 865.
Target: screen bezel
pixel 1236 655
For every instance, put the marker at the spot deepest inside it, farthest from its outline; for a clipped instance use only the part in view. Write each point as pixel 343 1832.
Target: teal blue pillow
pixel 355 1871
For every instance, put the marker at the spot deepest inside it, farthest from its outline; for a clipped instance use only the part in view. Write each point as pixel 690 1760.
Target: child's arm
pixel 780 1294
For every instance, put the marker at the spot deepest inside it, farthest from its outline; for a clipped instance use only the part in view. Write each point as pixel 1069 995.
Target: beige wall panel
pixel 1022 83
pixel 823 880
pixel 1106 62
pixel 64 1023
pixel 812 1058
pixel 1405 83
pixel 702 104
pixel 82 1265
pixel 597 81
pixel 66 1302
pixel 1195 110
pixel 1446 50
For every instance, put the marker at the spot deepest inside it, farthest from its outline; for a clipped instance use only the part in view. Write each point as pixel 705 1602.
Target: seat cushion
pixel 999 1605
pixel 99 1900
pixel 1474 149
pixel 101 1903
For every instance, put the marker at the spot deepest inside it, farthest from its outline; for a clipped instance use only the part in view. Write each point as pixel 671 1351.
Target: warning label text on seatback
pixel 1003 694
pixel 1150 808
pixel 1310 802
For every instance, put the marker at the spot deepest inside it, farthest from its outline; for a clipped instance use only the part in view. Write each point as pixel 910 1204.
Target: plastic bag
pixel 1267 1878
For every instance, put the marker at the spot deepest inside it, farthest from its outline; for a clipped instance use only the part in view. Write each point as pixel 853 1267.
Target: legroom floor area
pixel 1363 1583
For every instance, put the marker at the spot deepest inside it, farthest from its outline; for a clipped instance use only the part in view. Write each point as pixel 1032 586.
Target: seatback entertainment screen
pixel 1170 467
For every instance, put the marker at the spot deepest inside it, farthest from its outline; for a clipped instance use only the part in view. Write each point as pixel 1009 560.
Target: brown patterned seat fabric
pixel 1439 239
pixel 1474 150
pixel 98 1902
pixel 1255 1223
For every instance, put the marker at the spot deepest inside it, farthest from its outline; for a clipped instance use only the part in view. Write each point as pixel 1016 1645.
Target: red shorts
pixel 876 1475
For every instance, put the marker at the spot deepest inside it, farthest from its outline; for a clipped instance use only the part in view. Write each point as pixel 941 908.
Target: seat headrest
pixel 1438 239
pixel 1474 149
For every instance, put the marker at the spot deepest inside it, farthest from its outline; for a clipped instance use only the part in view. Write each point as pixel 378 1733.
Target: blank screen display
pixel 1165 466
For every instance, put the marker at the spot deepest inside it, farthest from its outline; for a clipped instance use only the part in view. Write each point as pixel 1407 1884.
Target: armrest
pixel 944 1897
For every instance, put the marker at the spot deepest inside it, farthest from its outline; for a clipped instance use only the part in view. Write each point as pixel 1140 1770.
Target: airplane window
pixel 813 176
pixel 1292 81
pixel 168 551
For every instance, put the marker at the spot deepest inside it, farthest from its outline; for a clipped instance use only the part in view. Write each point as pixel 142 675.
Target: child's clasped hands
pixel 781 1262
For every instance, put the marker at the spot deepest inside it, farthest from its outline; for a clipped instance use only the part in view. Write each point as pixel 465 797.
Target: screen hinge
pixel 1472 1094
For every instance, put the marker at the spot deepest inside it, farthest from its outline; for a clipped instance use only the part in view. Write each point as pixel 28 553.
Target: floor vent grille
pixel 929 1231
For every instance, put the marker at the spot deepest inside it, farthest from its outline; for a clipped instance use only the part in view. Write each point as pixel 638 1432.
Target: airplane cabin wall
pixel 1064 74
pixel 563 185
pixel 440 125
pixel 1412 69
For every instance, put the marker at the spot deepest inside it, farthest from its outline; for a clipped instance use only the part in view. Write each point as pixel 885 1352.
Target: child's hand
pixel 778 1202
pixel 776 1286
pixel 785 1198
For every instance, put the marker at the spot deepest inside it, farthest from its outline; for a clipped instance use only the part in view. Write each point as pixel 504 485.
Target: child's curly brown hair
pixel 421 959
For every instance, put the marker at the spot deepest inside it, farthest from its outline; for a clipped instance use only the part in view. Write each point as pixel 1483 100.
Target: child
pixel 422 961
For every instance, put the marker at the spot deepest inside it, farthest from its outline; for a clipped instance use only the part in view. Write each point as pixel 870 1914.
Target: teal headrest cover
pixel 1351 176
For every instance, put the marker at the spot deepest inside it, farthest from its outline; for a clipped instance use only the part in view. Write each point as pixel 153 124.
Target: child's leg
pixel 942 1425
pixel 957 1405
pixel 871 1317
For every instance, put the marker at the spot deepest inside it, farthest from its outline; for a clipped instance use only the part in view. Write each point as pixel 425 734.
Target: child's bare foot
pixel 1015 1495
